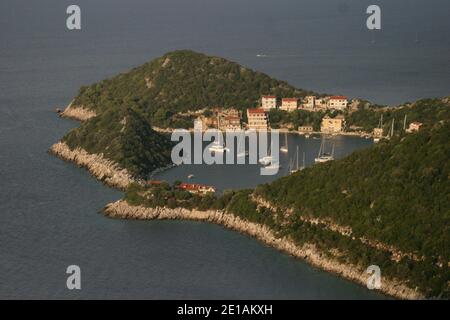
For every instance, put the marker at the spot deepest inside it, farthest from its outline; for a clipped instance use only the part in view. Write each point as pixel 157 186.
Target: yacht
pixel 218 146
pixel 324 156
pixel 285 148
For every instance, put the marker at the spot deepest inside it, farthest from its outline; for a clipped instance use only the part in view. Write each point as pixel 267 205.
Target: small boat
pixel 190 176
pixel 285 148
pixel 265 161
pixel 324 156
pixel 376 140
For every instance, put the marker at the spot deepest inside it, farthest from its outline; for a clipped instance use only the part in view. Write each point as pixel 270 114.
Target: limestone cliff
pixel 103 169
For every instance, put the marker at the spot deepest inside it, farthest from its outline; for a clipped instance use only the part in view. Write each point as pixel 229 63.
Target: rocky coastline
pixel 79 113
pixel 308 252
pixel 101 168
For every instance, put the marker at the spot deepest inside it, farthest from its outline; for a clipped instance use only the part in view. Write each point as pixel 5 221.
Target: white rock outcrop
pixel 103 169
pixel 308 252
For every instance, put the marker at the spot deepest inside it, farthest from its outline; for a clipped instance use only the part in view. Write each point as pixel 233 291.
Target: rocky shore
pixel 308 252
pixel 103 169
pixel 79 113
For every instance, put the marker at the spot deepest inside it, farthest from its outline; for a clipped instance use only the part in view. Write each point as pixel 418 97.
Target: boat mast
pixel 296 168
pixel 404 123
pixel 321 146
pixel 392 128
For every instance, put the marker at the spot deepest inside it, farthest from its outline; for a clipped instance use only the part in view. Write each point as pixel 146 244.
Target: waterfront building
pixel 332 125
pixel 289 104
pixel 197 188
pixel 337 103
pixel 257 119
pixel 268 102
pixel 378 132
pixel 306 129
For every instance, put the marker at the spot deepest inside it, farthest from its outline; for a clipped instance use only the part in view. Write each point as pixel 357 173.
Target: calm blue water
pixel 49 209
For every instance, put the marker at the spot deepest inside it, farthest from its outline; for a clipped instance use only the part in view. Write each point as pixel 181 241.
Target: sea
pixel 50 210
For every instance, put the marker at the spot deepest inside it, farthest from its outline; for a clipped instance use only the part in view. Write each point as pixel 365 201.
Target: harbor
pixel 241 176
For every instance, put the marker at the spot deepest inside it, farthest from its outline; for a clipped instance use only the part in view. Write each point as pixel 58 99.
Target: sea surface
pixel 49 209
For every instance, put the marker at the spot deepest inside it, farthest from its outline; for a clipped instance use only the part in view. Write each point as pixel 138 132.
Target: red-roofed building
pixel 338 102
pixel 289 104
pixel 257 119
pixel 268 102
pixel 196 188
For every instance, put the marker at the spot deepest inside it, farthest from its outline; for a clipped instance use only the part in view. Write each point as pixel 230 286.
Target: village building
pixel 309 103
pixel 414 127
pixel 306 129
pixel 230 119
pixel 378 132
pixel 337 102
pixel 230 123
pixel 268 102
pixel 333 125
pixel 197 188
pixel 257 119
pixel 289 104
pixel 321 103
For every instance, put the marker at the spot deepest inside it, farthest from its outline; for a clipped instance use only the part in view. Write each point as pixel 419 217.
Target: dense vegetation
pixel 427 111
pixel 397 192
pixel 125 137
pixel 183 81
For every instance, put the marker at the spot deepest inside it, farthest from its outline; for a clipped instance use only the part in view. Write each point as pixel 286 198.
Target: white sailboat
pixel 267 160
pixel 324 156
pixel 241 151
pixel 377 139
pixel 297 168
pixel 218 146
pixel 285 148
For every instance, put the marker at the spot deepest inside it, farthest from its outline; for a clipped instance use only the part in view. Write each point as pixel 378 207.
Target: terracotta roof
pixel 256 110
pixel 339 97
pixel 269 97
pixel 290 99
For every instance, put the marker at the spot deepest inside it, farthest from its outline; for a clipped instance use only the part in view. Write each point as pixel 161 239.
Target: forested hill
pixel 396 193
pixel 183 81
pixel 124 136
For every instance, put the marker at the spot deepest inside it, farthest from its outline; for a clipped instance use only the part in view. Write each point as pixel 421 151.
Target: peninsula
pixel 387 205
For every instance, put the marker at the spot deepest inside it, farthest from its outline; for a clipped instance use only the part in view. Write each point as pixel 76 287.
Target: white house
pixel 289 104
pixel 337 102
pixel 268 102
